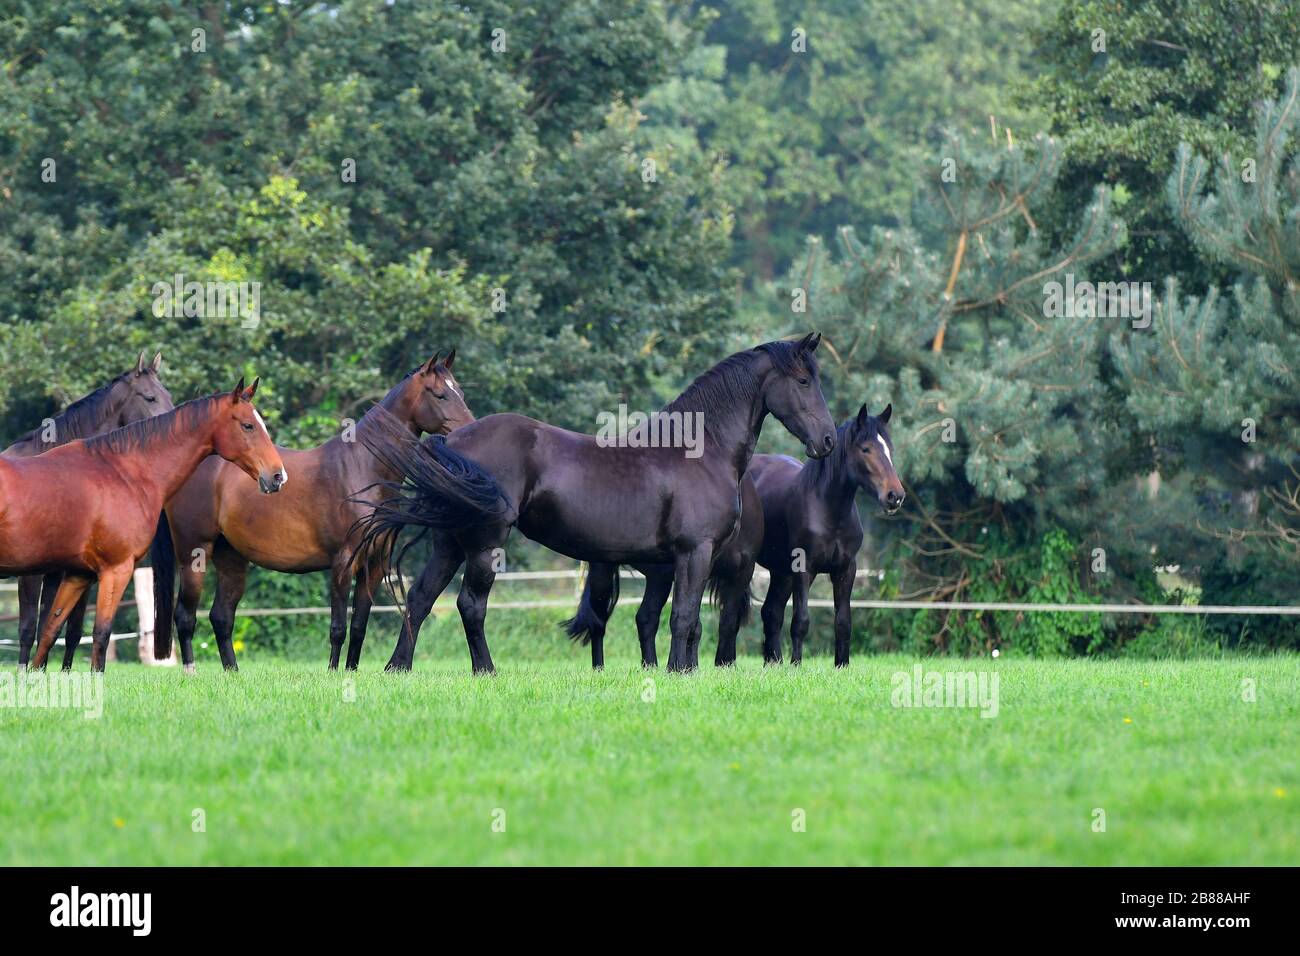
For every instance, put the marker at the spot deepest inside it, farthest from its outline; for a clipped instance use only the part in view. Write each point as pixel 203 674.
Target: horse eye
pixel 151 398
pixel 246 426
pixel 805 382
pixel 440 396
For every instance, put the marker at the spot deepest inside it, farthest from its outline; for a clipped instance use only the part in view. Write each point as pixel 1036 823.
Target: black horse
pixel 607 501
pixel 808 524
pixel 134 395
pixel 729 579
pixel 811 526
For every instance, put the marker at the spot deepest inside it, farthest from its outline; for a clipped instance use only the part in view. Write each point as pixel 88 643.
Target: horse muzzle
pixel 269 485
pixel 822 448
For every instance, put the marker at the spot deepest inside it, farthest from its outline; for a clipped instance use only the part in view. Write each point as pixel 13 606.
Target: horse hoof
pixel 189 668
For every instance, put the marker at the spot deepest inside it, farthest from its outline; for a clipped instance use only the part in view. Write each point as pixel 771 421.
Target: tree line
pixel 594 203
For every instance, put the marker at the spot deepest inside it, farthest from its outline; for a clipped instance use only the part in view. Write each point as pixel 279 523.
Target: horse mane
pixel 81 419
pixel 141 434
pixel 822 472
pixel 735 376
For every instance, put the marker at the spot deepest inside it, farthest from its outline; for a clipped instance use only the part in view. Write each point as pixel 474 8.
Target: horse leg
pixel 735 607
pixel 472 603
pixel 76 621
pixel 340 584
pixel 603 580
pixel 778 592
pixel 442 566
pixel 689 578
pixel 363 598
pixel 232 577
pixel 112 584
pixel 799 620
pixel 187 602
pixel 658 585
pixel 842 581
pixel 29 612
pixel 70 592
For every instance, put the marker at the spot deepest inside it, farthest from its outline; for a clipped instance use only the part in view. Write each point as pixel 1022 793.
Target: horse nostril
pixel 828 441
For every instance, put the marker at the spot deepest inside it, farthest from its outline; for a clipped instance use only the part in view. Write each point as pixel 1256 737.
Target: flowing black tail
pixel 440 489
pixel 720 586
pixel 579 626
pixel 162 555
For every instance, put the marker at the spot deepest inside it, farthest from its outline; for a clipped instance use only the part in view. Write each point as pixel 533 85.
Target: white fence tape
pixel 143 583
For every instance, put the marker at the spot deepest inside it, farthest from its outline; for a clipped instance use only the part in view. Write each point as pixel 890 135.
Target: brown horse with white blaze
pixel 90 508
pixel 217 516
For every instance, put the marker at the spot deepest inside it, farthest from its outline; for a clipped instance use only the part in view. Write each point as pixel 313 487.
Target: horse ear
pixel 884 416
pixel 139 362
pixel 451 357
pixel 863 416
pixel 432 363
pixel 252 389
pixel 810 342
pixel 156 364
pixel 239 390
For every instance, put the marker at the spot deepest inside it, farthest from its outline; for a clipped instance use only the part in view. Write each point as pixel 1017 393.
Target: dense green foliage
pixel 289 765
pixel 519 170
pixel 594 202
pixel 1125 83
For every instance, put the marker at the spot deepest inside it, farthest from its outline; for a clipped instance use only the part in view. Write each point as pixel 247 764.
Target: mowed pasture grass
pixel 287 770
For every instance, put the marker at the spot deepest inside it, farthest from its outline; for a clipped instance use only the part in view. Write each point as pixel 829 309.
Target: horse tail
pixel 440 489
pixel 162 555
pixel 579 627
pixel 719 587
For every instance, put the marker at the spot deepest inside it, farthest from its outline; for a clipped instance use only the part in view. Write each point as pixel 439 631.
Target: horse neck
pixel 166 458
pixel 730 431
pixel 401 407
pixel 828 479
pixel 107 417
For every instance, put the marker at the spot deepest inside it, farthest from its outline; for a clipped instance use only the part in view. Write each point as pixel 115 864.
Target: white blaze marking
pixel 888 456
pixel 450 383
pixel 284 472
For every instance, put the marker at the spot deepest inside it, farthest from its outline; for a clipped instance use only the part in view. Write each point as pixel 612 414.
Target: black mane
pixel 735 377
pixel 822 472
pixel 82 419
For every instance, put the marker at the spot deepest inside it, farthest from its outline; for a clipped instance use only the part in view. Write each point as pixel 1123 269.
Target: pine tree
pixel 996 400
pixel 1217 378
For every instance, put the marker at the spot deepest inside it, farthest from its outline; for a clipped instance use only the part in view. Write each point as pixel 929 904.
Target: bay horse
pixel 136 394
pixel 217 516
pixel 89 509
pixel 603 501
pixel 807 524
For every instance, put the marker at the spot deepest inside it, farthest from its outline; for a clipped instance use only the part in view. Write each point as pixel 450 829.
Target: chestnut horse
pixel 134 395
pixel 217 516
pixel 615 502
pixel 798 520
pixel 90 508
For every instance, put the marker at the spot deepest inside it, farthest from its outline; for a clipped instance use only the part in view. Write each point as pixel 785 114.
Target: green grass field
pixel 415 770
